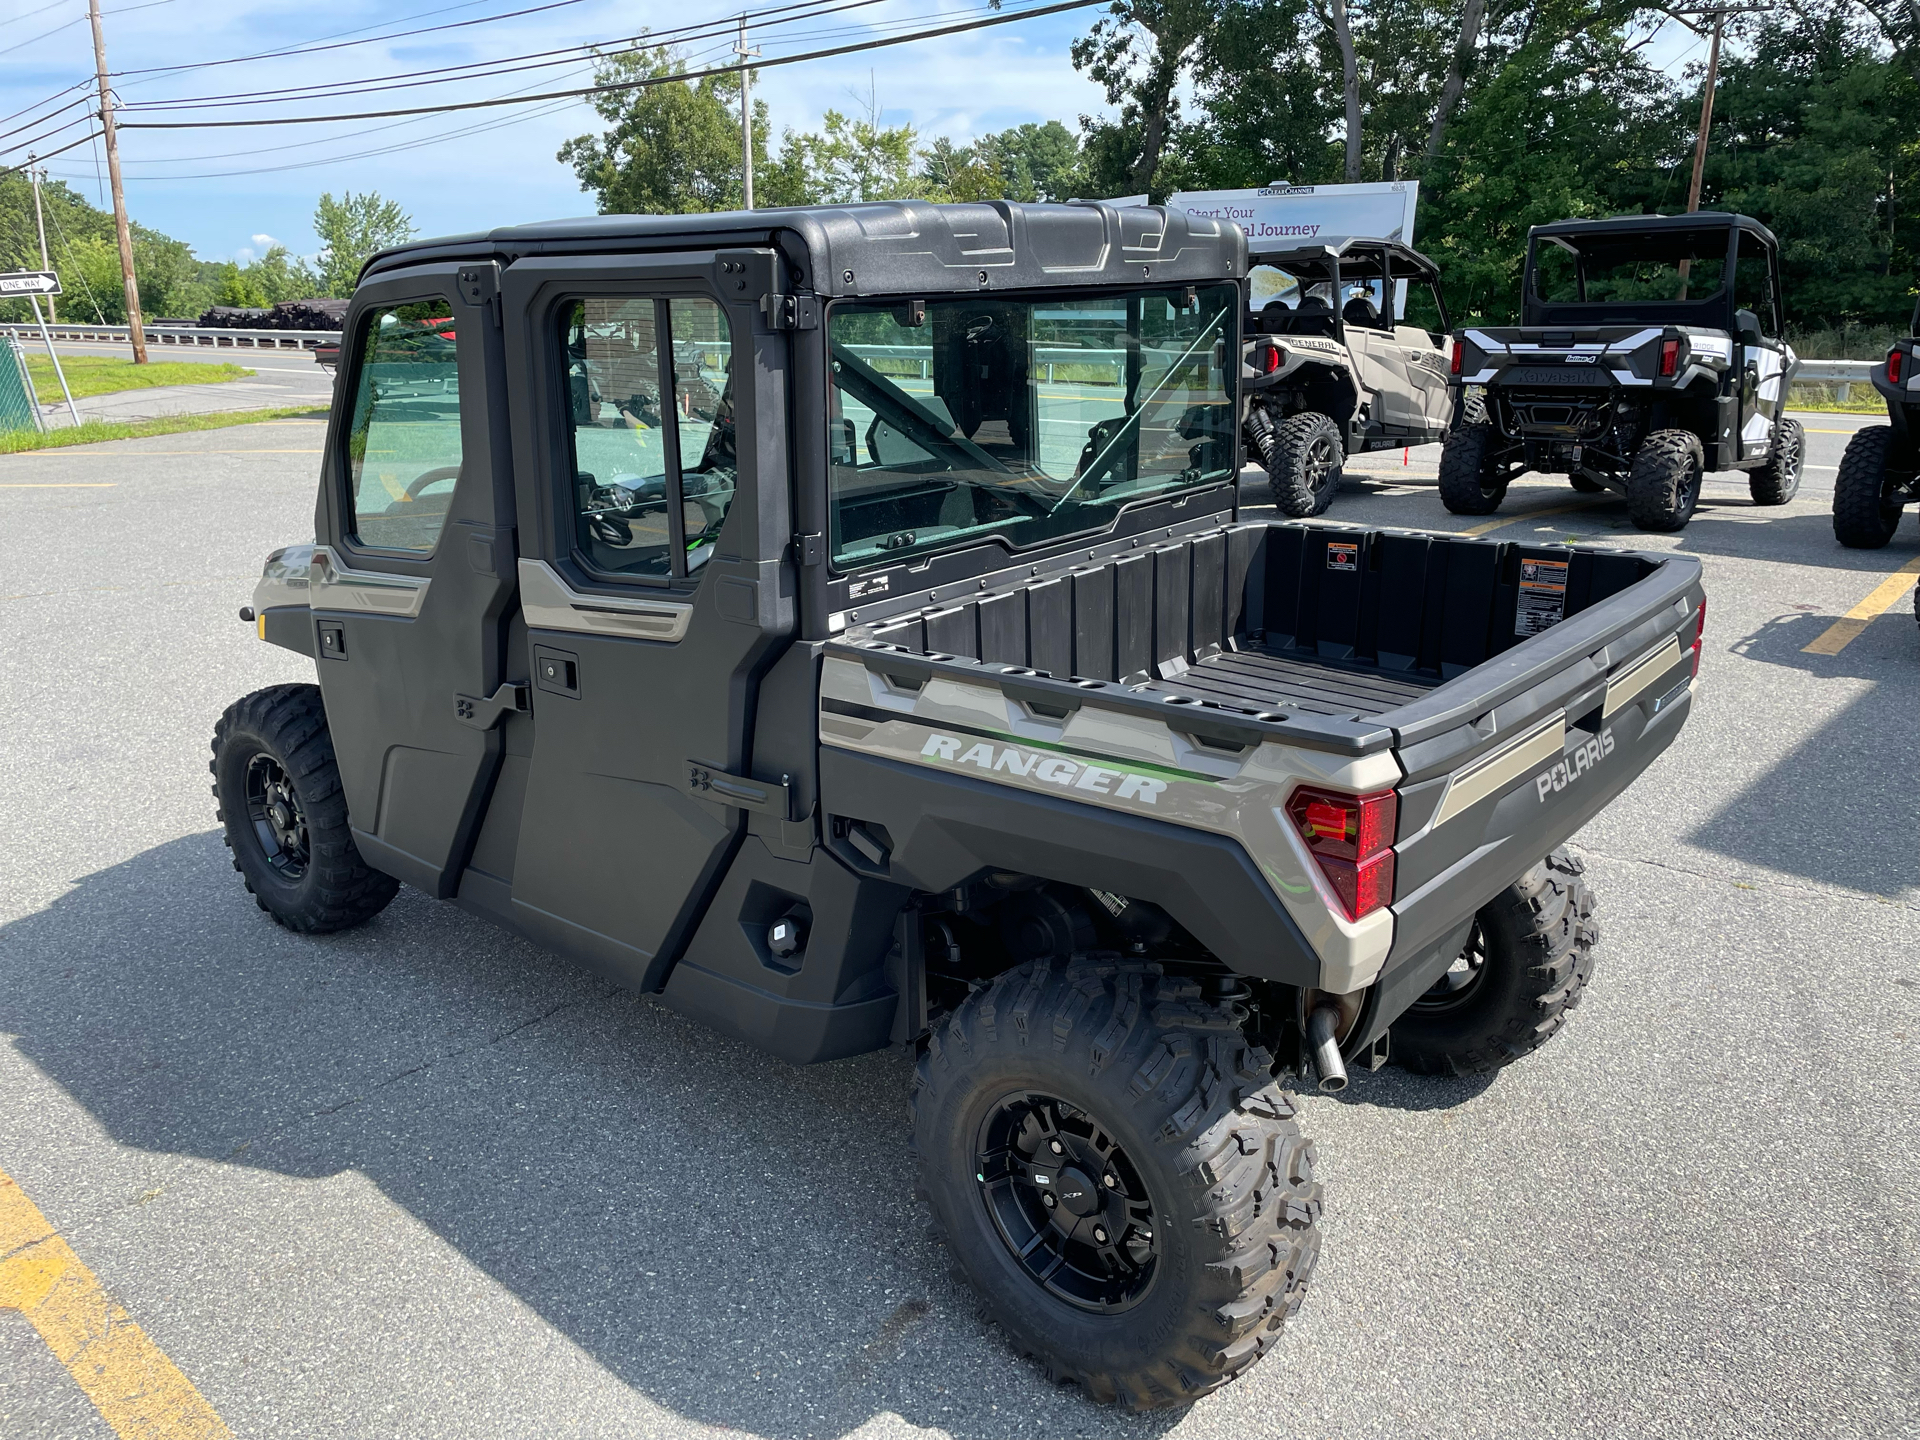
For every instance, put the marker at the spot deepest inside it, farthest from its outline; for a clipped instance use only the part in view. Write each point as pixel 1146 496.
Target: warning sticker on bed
pixel 1342 556
pixel 1543 596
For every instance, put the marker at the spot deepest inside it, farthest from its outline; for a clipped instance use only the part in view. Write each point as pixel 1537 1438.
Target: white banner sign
pixel 1279 216
pixel 29 282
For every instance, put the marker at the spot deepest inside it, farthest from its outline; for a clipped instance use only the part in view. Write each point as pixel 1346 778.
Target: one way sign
pixel 29 282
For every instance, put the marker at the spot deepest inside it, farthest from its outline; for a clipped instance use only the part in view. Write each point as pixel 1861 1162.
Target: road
pixel 421 1179
pixel 281 379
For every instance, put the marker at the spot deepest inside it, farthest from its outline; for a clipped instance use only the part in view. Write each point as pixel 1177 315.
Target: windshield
pixel 957 421
pixel 1678 265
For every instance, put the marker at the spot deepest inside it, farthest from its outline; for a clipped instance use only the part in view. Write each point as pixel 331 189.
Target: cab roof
pixel 1333 247
pixel 1620 226
pixel 895 247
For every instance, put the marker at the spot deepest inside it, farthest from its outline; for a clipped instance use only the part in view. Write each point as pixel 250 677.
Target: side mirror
pixel 1746 325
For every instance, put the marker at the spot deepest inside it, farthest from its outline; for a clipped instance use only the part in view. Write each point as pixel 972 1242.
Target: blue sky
pixel 505 172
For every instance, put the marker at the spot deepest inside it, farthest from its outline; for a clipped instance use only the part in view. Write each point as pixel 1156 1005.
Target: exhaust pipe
pixel 1322 1030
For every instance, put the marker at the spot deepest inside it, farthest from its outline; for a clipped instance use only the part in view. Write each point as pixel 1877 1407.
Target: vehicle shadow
pixel 1783 641
pixel 1391 1088
pixel 732 1237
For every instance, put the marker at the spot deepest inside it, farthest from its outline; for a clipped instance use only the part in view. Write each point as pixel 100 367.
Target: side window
pixel 1753 285
pixel 653 465
pixel 403 451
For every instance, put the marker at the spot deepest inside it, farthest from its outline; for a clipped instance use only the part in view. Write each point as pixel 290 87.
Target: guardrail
pixel 1843 375
pixel 195 335
pixel 1046 355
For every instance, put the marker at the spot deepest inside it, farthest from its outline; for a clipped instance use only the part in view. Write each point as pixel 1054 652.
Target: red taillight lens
pixel 1669 356
pixel 1351 837
pixel 1269 358
pixel 1699 636
pixel 1894 360
pixel 1453 365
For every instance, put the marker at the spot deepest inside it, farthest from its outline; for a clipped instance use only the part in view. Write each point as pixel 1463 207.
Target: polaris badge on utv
pixel 731 603
pixel 1335 364
pixel 1648 353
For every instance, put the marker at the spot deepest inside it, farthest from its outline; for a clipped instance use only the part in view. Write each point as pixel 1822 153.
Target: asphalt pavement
pixel 422 1179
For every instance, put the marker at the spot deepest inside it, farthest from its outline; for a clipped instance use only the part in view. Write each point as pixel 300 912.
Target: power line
pixel 73 145
pixel 985 22
pixel 486 69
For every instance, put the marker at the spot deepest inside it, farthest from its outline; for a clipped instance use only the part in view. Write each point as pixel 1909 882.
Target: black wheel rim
pixel 1070 1206
pixel 279 823
pixel 1462 979
pixel 1322 463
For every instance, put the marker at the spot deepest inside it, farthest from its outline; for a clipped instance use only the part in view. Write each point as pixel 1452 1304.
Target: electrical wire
pixel 486 69
pixel 87 118
pixel 40 120
pixel 986 22
pixel 74 145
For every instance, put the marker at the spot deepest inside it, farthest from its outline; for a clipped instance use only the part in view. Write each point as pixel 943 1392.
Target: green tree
pixel 668 149
pixel 849 159
pixel 280 275
pixel 236 288
pixel 1035 162
pixel 352 229
pixel 1139 52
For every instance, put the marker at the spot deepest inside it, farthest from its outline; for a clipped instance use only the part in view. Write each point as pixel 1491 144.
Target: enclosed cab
pixel 1345 353
pixel 1650 351
pixel 839 624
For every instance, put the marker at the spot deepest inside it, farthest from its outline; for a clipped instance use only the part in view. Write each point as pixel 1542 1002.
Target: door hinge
pixel 480 285
pixel 791 312
pixel 765 797
pixel 485 714
pixel 812 549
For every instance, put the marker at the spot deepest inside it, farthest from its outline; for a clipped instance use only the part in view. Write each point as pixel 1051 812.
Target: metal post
pixel 40 224
pixel 746 116
pixel 135 331
pixel 54 356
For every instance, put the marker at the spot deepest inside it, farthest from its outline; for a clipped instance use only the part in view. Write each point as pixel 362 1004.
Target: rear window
pixel 1683 265
pixel 1019 422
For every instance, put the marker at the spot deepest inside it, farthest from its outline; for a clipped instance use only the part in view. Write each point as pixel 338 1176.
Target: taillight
pixel 1453 365
pixel 1699 636
pixel 1268 358
pixel 1894 359
pixel 1669 356
pixel 1351 837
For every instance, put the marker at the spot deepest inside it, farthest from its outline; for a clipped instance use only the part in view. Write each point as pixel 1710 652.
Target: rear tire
pixel 1778 481
pixel 1466 463
pixel 278 794
pixel 1663 487
pixel 1864 518
pixel 1526 965
pixel 1197 1150
pixel 1304 464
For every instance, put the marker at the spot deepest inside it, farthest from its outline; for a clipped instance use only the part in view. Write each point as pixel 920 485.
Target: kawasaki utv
pixel 1648 353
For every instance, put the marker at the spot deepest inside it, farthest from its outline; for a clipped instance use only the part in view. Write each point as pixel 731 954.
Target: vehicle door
pixel 648 408
pixel 1421 330
pixel 413 575
pixel 1761 356
pixel 1380 366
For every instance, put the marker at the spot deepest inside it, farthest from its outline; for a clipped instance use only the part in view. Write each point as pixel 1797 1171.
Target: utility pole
pixel 746 114
pixel 136 331
pixel 40 224
pixel 1719 15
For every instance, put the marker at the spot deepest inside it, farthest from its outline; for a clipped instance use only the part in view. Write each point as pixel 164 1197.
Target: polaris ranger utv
pixel 739 610
pixel 1880 471
pixel 1649 352
pixel 1331 367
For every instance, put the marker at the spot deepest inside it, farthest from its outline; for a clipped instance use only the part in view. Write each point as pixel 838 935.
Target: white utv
pixel 1345 353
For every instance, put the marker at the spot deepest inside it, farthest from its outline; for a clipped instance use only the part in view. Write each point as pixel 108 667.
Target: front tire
pixel 1778 481
pixel 1663 487
pixel 1527 963
pixel 1470 478
pixel 1866 509
pixel 1304 461
pixel 278 794
pixel 1108 1159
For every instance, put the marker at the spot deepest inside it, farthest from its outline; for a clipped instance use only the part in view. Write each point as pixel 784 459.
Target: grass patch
pixel 108 374
pixel 94 431
pixel 1862 398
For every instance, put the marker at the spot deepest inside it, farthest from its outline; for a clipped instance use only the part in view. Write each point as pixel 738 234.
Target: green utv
pixel 1880 470
pixel 735 604
pixel 1648 353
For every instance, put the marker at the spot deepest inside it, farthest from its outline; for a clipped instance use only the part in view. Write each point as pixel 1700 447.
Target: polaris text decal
pixel 1577 763
pixel 1053 769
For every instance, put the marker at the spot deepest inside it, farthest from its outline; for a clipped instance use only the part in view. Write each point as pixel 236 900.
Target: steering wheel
pixel 432 477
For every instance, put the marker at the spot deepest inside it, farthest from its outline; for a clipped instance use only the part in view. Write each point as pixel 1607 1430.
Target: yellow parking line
pixel 1885 596
pixel 1490 526
pixel 136 1389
